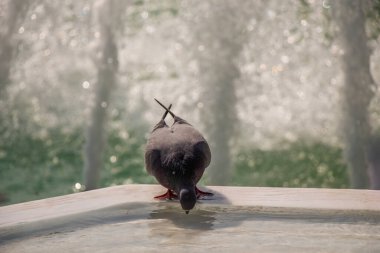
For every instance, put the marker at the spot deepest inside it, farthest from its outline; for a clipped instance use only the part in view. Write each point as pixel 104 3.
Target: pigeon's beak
pixel 187 211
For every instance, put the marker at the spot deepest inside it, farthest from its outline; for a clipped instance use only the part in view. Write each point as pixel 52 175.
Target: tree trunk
pixel 374 163
pixel 15 11
pixel 357 92
pixel 106 81
pixel 219 36
pixel 220 99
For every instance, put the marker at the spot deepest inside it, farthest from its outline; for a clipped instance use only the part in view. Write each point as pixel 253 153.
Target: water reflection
pixel 118 214
pixel 197 219
pixel 172 226
pixel 143 227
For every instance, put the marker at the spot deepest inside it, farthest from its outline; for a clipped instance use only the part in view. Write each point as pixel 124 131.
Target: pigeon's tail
pixel 166 112
pixel 167 109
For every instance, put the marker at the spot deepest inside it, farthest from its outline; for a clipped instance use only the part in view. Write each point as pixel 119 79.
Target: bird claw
pixel 167 195
pixel 201 194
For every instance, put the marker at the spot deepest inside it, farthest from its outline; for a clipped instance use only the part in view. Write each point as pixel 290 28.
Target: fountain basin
pixel 243 219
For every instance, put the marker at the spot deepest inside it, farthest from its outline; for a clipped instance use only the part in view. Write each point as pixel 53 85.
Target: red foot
pixel 168 195
pixel 201 194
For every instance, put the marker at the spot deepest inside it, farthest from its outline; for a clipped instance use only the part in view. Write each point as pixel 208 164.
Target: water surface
pixel 142 227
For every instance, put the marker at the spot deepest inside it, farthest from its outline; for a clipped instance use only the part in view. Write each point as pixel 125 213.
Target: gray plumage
pixel 177 156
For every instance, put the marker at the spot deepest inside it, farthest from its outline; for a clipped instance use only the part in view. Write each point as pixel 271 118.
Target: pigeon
pixel 177 157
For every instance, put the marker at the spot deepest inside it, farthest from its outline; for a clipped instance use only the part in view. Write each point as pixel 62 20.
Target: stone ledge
pixel 262 197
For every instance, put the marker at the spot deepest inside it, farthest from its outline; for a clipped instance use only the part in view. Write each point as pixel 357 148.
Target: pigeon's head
pixel 187 198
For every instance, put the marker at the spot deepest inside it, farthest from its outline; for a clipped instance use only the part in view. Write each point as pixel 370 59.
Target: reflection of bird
pixel 200 220
pixel 177 157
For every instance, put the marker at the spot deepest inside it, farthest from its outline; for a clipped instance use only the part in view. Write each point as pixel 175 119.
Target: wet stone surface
pixel 142 227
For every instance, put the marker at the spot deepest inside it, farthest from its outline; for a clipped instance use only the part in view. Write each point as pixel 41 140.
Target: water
pixel 148 227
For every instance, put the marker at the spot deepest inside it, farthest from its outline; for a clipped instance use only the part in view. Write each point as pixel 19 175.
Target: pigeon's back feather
pixel 177 153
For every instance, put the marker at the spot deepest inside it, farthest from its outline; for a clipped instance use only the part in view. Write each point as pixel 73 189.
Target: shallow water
pixel 147 227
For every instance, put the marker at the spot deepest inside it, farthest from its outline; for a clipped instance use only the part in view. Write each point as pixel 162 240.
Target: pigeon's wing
pixel 161 124
pixel 202 154
pixel 153 151
pixel 152 160
pixel 154 167
pixel 202 151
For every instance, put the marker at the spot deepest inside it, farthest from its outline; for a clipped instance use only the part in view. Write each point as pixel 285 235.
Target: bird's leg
pixel 200 193
pixel 167 195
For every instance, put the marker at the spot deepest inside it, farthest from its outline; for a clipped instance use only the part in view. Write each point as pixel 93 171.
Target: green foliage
pixel 373 19
pixel 144 12
pixel 300 165
pixel 304 9
pixel 40 167
pixel 124 160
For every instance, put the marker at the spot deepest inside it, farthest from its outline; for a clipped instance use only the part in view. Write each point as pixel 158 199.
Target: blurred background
pixel 285 92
